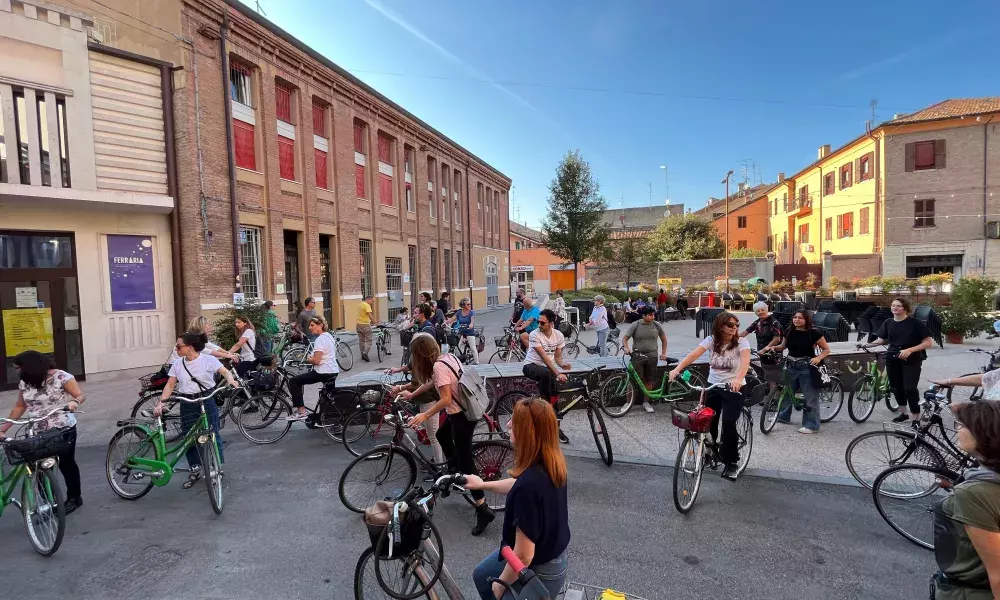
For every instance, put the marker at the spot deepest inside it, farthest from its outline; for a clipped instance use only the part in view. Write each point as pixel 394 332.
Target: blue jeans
pixel 602 341
pixel 189 416
pixel 800 376
pixel 552 574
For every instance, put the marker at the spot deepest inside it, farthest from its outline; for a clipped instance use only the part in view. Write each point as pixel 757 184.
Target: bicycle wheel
pixel 572 350
pixel 383 473
pixel 367 587
pixel 494 460
pixel 875 451
pixel 262 419
pixel 964 394
pixel 617 395
pixel 744 428
pixel 43 503
pixel 171 418
pixel 687 472
pixel 505 406
pixel 129 442
pixel 406 357
pixel 770 408
pixel 905 496
pixel 331 419
pixel 831 399
pixel 861 402
pixel 379 347
pixel 890 398
pixel 388 572
pixel 211 471
pixel 601 437
pixel 365 429
pixel 345 356
pixel 499 356
pixel 612 348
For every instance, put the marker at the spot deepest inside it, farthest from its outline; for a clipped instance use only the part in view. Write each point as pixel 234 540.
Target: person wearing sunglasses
pixel 728 362
pixel 544 358
pixel 803 341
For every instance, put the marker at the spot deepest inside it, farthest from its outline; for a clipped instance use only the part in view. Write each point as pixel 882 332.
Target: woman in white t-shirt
pixel 244 346
pixel 193 374
pixel 599 322
pixel 728 362
pixel 433 370
pixel 325 369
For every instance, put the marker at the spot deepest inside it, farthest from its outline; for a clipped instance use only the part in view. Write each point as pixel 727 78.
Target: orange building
pixel 532 266
pixel 748 224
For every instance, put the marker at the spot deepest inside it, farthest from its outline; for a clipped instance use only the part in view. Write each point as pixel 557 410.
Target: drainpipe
pixel 985 191
pixel 821 232
pixel 230 152
pixel 468 227
pixel 177 265
pixel 876 247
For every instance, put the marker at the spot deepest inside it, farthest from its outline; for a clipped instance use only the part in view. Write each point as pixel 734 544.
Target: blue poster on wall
pixel 130 264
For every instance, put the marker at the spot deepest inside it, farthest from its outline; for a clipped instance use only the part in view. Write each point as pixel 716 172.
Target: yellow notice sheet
pixel 28 329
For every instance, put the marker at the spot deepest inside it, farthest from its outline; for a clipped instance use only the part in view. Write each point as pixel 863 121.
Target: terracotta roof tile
pixel 955 107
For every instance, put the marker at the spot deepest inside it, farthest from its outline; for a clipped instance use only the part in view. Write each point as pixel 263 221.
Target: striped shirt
pixel 549 343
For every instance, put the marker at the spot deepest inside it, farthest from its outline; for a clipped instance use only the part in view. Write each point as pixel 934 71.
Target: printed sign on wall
pixel 130 265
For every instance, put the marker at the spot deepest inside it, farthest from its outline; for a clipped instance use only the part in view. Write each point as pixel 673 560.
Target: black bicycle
pixel 577 387
pixel 963 393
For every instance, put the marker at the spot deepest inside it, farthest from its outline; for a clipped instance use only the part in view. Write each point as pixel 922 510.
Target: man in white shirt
pixel 544 358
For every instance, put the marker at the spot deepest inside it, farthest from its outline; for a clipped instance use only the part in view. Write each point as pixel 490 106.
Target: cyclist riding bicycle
pixel 544 358
pixel 646 332
pixel 464 320
pixel 729 361
pixel 536 517
pixel 908 340
pixel 767 327
pixel 528 322
pixel 325 367
pixel 802 340
pixel 192 374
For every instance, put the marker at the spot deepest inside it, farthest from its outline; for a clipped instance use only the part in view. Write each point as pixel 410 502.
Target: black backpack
pixel 259 351
pixel 611 318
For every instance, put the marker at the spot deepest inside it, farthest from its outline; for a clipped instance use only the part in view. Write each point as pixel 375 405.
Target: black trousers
pixel 727 406
pixel 903 379
pixel 68 467
pixel 540 374
pixel 295 384
pixel 455 437
pixel 245 366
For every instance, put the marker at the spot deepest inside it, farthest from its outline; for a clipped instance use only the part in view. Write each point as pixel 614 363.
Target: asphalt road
pixel 284 535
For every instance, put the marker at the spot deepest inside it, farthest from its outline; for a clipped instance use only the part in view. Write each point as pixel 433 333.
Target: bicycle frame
pixel 9 481
pixel 162 471
pixel 661 393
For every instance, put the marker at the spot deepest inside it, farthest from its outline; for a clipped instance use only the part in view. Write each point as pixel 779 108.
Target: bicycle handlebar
pixel 208 396
pixel 508 555
pixel 35 419
pixel 711 387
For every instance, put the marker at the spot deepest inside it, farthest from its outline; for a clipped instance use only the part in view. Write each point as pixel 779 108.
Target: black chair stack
pixel 932 320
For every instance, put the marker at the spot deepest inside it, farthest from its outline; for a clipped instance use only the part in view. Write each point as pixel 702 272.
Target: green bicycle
pixel 870 388
pixel 30 460
pixel 138 458
pixel 619 391
pixel 831 398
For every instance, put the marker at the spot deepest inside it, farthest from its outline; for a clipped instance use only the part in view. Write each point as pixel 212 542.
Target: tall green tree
pixel 573 228
pixel 627 256
pixel 685 237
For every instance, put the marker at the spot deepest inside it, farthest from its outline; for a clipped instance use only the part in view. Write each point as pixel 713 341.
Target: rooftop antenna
pixel 260 10
pixel 650 193
pixel 873 103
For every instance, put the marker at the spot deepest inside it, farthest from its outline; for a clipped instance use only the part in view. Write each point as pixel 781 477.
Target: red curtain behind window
pixel 359 138
pixel 286 158
pixel 385 189
pixel 384 150
pixel 320 157
pixel 319 120
pixel 243 140
pixel 283 102
pixel 359 180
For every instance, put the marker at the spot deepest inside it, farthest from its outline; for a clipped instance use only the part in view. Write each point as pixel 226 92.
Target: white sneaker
pixel 807 430
pixel 296 416
pixel 648 407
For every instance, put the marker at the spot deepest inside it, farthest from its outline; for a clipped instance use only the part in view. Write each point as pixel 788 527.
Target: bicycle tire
pixel 505 405
pixel 611 348
pixel 406 357
pixel 494 459
pixel 331 419
pixel 379 347
pixel 835 392
pixel 895 444
pixel 861 402
pixel 52 507
pixel 172 430
pixel 263 420
pixel 345 356
pixel 365 429
pixel 572 350
pixel 619 385
pixel 381 461
pixel 114 462
pixel 211 472
pixel 918 486
pixel 364 590
pixel 416 556
pixel 497 357
pixel 770 408
pixel 601 437
pixel 744 428
pixel 688 470
pixel 958 393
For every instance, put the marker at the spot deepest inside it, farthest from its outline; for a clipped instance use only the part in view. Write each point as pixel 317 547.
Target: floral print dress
pixel 52 395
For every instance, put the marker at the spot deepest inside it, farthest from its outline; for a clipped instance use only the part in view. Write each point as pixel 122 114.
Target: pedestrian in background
pixel 271 326
pixel 364 327
pixel 599 322
pixel 305 315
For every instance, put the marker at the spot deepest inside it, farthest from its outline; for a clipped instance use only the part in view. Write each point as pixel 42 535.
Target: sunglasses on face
pixel 732 325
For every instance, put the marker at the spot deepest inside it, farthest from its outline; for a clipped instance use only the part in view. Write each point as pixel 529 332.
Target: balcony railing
pixel 32 134
pixel 800 204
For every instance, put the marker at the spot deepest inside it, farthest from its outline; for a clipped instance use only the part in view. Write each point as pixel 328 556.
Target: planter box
pixel 954 338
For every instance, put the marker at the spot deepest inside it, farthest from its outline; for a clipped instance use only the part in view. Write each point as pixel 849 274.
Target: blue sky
pixel 635 84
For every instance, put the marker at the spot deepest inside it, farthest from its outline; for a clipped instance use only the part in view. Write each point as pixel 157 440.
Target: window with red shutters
pixel 359 180
pixel 865 167
pixel 863 229
pixel 319 120
pixel 283 102
pixel 385 189
pixel 286 158
pixel 243 140
pixel 829 184
pixel 384 149
pixel 359 137
pixel 321 169
pixel 846 175
pixel 829 228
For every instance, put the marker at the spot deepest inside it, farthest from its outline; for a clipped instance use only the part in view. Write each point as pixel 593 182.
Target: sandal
pixel 192 478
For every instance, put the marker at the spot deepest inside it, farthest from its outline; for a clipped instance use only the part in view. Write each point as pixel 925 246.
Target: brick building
pixel 339 191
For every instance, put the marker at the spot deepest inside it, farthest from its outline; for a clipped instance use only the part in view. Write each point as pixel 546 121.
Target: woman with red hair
pixel 536 520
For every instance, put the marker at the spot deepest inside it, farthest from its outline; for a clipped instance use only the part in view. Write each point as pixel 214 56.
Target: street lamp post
pixel 726 181
pixel 666 183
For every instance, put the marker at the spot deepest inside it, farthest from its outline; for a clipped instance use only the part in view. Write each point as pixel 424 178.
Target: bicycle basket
pixel 378 517
pixel 405 337
pixel 500 340
pixel 263 380
pixel 50 442
pixel 153 381
pixel 452 339
pixel 696 421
